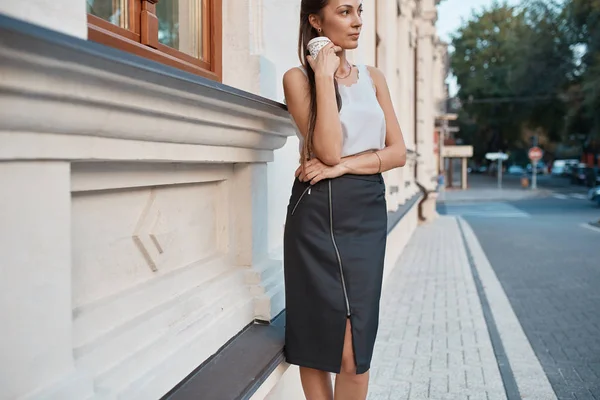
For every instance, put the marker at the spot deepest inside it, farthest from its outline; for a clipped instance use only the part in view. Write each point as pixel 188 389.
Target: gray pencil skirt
pixel 334 249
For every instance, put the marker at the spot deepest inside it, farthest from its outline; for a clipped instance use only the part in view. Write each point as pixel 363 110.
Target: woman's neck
pixel 344 67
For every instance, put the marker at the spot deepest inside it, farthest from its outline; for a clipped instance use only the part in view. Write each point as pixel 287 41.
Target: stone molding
pixel 139 102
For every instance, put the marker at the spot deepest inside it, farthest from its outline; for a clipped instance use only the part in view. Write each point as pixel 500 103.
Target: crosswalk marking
pixel 486 210
pixel 590 227
pixel 561 196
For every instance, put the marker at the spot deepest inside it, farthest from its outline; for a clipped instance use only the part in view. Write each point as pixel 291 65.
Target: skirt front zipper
pixel 337 253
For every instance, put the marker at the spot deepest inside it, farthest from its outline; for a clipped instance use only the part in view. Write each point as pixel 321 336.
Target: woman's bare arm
pixel 327 139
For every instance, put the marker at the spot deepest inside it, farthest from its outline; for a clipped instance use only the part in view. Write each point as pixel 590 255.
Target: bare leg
pixel 349 385
pixel 316 384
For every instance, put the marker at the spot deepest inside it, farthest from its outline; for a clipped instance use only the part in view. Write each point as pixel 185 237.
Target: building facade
pixel 146 162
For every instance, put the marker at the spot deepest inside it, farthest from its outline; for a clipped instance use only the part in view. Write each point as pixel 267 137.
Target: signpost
pixel 498 157
pixel 535 154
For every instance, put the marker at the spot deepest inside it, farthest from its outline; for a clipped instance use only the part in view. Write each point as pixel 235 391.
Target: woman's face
pixel 341 21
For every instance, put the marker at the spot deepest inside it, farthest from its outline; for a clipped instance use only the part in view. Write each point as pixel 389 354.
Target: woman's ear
pixel 315 22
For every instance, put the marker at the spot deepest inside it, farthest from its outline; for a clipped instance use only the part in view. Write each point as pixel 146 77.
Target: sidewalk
pixel 434 342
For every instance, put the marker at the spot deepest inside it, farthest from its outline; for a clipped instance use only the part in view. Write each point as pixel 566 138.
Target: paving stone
pixel 433 341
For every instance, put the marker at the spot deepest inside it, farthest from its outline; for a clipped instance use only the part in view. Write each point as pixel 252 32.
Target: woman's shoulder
pixel 295 84
pixel 295 73
pixel 377 78
pixel 295 79
pixel 375 72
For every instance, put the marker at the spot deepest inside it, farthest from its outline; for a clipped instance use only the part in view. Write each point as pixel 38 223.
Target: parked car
pixel 584 175
pixel 558 167
pixel 592 176
pixel 570 166
pixel 578 174
pixel 594 195
pixel 540 168
pixel 516 170
pixel 563 167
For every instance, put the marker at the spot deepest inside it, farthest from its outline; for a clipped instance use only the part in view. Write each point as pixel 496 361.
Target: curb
pixel 528 373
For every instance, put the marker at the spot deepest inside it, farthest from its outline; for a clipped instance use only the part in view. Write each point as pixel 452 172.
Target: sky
pixel 451 13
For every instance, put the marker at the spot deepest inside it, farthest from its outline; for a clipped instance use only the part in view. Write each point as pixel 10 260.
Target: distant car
pixel 584 175
pixel 516 170
pixel 540 167
pixel 578 174
pixel 570 165
pixel 594 195
pixel 560 167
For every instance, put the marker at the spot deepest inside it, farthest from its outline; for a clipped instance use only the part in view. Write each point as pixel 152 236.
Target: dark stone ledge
pixel 238 369
pixel 396 216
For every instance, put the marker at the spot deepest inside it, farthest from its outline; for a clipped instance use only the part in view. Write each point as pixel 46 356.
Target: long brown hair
pixel 307 32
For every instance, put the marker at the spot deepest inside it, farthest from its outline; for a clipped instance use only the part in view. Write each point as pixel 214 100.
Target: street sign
pixel 499 156
pixel 457 151
pixel 535 154
pixel 496 156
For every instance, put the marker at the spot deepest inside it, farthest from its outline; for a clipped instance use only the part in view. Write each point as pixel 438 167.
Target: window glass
pixel 114 11
pixel 180 25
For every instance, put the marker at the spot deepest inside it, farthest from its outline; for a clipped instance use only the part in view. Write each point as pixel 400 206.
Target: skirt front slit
pixel 334 247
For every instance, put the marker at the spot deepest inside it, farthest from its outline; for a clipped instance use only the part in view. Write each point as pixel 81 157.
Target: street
pixel 547 259
pixel 497 299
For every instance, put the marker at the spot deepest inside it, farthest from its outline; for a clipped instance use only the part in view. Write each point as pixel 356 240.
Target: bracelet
pixel 379 169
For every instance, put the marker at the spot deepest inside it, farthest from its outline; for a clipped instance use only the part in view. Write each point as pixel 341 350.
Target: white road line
pixel 559 196
pixel 491 215
pixel 490 210
pixel 528 372
pixel 579 196
pixel 590 227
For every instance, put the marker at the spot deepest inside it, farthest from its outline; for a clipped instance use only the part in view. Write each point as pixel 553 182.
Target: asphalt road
pixel 556 183
pixel 548 263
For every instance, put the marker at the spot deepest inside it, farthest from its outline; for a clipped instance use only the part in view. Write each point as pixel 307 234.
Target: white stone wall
pixel 133 243
pixel 439 74
pixel 278 54
pixel 157 255
pixel 66 16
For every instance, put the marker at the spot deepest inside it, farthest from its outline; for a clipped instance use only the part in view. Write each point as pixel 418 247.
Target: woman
pixel 336 225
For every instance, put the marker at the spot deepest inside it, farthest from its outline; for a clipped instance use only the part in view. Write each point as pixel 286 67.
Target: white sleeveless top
pixel 361 116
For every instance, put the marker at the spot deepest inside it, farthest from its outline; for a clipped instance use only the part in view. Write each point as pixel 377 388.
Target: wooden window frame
pixel 142 38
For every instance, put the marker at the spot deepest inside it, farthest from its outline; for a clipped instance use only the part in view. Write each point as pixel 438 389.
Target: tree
pixel 583 120
pixel 513 65
pixel 545 71
pixel 485 52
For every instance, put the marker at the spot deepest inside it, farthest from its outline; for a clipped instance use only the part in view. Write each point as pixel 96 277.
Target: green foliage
pixel 583 17
pixel 517 67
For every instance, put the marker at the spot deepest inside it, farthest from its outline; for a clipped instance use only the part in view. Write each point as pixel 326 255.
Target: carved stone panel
pixel 124 237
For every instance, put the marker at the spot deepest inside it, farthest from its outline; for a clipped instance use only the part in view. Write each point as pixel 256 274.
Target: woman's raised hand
pixel 327 62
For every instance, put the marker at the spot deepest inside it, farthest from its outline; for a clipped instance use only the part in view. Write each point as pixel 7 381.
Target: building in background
pixel 146 165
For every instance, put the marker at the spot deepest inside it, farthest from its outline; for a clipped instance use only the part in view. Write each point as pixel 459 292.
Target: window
pixel 182 33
